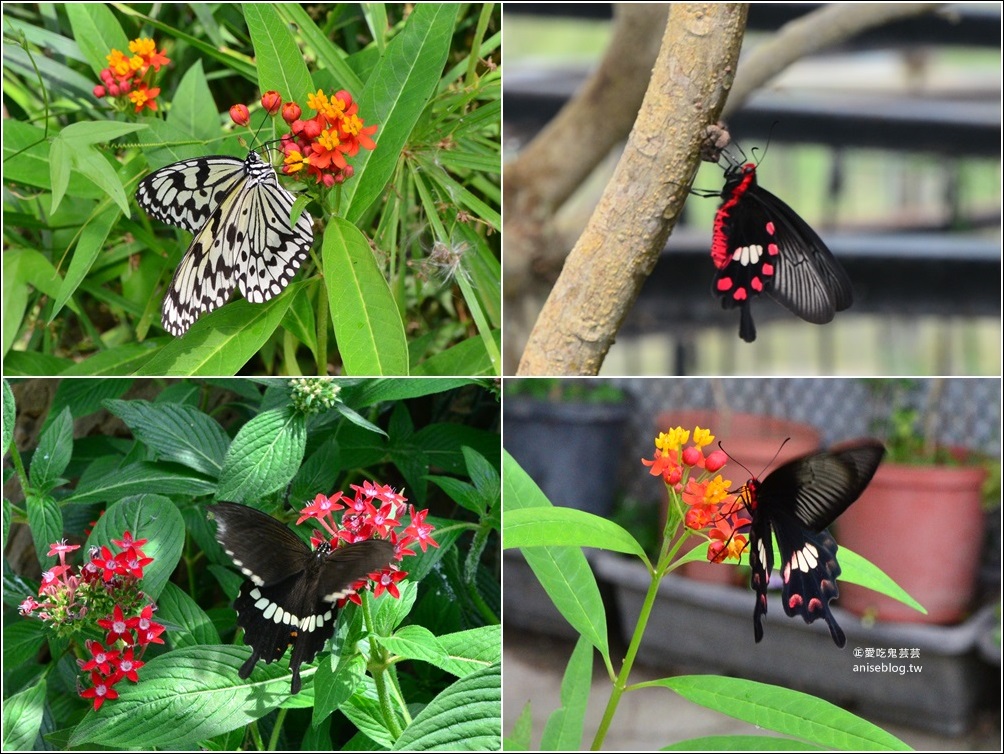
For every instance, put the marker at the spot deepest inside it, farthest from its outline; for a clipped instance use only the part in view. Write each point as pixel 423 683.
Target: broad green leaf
pixel 264 456
pixel 280 63
pixel 97 32
pixel 138 479
pixel 22 718
pixel 562 571
pixel 222 342
pixel 567 527
pixel 151 517
pixel 791 713
pixel 368 326
pixel 465 716
pixel 467 357
pixel 52 456
pixel 45 520
pixel 90 244
pixel 176 432
pixel 188 696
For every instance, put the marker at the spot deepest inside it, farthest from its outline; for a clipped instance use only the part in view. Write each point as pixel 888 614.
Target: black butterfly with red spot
pixel 290 595
pixel 760 245
pixel 798 501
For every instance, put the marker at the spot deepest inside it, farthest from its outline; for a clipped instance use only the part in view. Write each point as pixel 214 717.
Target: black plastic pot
pixel 571 450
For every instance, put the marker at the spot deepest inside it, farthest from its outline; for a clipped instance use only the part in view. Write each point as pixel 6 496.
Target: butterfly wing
pixel 816 488
pixel 268 251
pixel 290 600
pixel 808 279
pixel 798 500
pixel 186 193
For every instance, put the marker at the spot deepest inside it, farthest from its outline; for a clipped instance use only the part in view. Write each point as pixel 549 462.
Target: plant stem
pixel 621 683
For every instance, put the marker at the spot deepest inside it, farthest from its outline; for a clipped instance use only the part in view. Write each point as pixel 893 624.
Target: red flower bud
pixel 691 456
pixel 290 112
pixel 99 91
pixel 715 460
pixel 271 101
pixel 312 129
pixel 239 114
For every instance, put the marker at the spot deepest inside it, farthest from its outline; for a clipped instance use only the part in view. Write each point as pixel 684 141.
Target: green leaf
pixel 193 627
pixel 565 726
pixel 396 93
pixel 60 157
pixel 264 456
pixel 567 527
pixel 280 63
pixel 45 520
pixel 368 326
pixel 740 743
pixel 193 110
pixel 466 357
pixel 91 243
pixel 9 414
pixel 222 342
pixel 465 716
pixel 187 696
pixel 84 397
pixel 479 648
pixel 52 456
pixel 22 639
pixel 140 478
pixel 97 32
pixel 858 570
pixel 519 738
pixel 177 432
pixel 151 517
pixel 791 713
pixel 562 571
pixel 22 718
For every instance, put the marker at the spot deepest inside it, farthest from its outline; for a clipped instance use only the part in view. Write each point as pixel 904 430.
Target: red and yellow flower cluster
pixel 130 78
pixel 710 505
pixel 373 513
pixel 320 144
pixel 107 584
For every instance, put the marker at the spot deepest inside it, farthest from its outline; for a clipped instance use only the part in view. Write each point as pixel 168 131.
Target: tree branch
pixel 622 241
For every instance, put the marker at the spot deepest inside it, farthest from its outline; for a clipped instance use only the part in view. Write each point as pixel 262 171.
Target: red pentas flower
pixel 102 594
pixel 374 512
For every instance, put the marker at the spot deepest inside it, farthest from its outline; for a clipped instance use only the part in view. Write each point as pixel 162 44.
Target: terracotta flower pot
pixel 751 439
pixel 923 526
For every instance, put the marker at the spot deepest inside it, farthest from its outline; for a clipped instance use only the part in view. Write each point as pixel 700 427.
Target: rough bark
pixel 622 241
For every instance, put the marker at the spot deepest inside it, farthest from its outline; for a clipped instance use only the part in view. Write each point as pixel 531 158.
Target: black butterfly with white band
pixel 290 595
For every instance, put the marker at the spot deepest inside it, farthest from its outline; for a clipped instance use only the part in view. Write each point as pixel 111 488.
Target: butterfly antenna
pixel 775 456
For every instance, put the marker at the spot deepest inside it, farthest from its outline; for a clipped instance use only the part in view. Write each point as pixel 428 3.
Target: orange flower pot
pixel 923 526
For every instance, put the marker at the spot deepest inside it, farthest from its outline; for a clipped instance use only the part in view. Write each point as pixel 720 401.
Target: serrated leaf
pixel 46 523
pixel 465 716
pixel 264 456
pixel 151 517
pixel 9 415
pixel 177 432
pixel 140 478
pixel 187 696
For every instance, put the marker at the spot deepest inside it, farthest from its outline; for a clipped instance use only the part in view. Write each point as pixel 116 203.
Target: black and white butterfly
pixel 798 500
pixel 290 595
pixel 760 245
pixel 243 236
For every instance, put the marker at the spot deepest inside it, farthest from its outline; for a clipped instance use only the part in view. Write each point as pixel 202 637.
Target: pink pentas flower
pixel 387 582
pixel 116 626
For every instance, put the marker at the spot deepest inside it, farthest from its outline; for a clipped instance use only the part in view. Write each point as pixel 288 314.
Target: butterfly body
pixel 760 245
pixel 290 596
pixel 243 236
pixel 797 501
